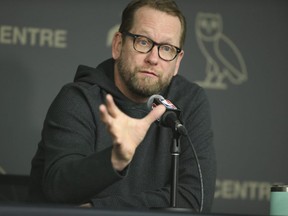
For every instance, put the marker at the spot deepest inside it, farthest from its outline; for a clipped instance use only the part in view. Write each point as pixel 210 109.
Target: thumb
pixel 155 114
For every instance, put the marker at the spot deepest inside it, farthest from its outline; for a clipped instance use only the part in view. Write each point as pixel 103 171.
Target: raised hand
pixel 127 132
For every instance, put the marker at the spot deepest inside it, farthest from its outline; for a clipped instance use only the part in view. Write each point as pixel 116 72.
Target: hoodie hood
pixel 102 75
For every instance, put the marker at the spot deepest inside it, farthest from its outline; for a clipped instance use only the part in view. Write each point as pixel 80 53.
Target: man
pixel 101 145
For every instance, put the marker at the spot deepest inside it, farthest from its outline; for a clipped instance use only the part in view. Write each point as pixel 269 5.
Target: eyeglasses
pixel 144 44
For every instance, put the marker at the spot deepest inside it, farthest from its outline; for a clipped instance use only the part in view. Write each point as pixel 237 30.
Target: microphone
pixel 171 116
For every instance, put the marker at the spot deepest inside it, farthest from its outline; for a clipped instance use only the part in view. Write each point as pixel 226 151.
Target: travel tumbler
pixel 279 200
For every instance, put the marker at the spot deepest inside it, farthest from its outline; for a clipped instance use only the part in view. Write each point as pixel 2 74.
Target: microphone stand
pixel 175 149
pixel 175 153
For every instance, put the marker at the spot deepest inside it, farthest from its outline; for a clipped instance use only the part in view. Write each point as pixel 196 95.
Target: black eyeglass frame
pixel 135 36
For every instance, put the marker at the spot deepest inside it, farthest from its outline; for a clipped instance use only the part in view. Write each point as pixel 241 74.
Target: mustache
pixel 150 71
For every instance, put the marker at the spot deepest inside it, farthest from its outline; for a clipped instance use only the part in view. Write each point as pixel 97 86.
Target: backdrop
pixel 237 50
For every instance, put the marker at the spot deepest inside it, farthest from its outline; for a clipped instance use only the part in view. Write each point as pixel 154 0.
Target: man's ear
pixel 178 61
pixel 116 45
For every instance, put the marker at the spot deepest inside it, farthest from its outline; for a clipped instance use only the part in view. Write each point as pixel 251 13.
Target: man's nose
pixel 153 57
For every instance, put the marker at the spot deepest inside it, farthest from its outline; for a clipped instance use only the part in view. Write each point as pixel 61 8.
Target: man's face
pixel 143 75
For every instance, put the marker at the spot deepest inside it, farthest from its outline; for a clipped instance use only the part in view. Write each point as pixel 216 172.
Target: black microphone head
pixel 171 116
pixel 151 100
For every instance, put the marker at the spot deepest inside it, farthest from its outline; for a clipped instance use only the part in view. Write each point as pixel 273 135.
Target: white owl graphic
pixel 224 61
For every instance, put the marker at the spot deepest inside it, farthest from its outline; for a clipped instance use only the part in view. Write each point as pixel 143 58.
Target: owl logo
pixel 224 61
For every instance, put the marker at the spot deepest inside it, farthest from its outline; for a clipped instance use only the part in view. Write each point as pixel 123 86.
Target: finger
pixel 111 106
pixel 155 114
pixel 104 115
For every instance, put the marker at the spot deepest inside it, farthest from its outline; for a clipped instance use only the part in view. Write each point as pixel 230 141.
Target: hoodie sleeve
pixel 74 170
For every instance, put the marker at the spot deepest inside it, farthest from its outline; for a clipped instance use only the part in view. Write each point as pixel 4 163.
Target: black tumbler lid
pixel 279 188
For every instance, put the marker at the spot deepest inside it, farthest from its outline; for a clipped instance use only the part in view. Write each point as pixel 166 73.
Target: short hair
pixel 167 6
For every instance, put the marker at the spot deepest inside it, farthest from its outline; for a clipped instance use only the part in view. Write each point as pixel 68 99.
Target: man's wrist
pixel 118 164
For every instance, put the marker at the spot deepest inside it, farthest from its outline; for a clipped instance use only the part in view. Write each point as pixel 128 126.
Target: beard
pixel 143 87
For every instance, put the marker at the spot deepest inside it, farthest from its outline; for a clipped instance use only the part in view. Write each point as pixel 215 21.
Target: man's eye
pixel 143 42
pixel 166 48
